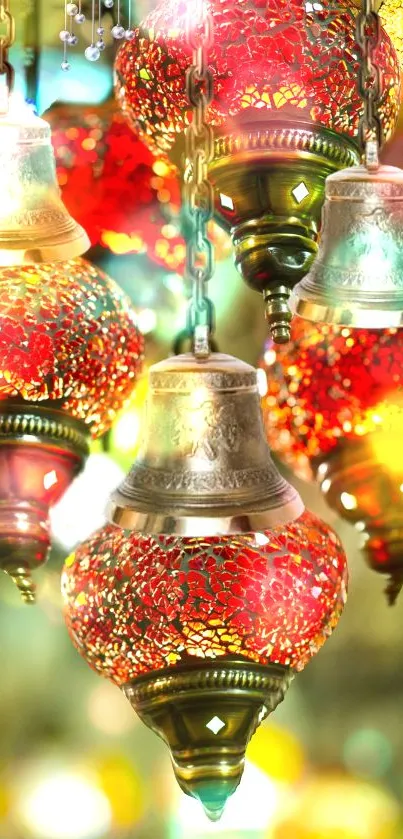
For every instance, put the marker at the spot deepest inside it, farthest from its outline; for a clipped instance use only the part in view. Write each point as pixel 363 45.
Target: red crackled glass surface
pixel 282 58
pixel 327 384
pixel 68 339
pixel 136 603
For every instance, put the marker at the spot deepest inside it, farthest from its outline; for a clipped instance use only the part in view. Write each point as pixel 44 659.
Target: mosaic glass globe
pixel 283 57
pixel 334 410
pixel 137 603
pixel 327 385
pixel 70 353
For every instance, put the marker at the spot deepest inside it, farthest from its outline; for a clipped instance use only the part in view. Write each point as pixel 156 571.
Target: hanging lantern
pixel 69 356
pixel 356 279
pixel 334 410
pixel 286 111
pixel 212 585
pixel 35 226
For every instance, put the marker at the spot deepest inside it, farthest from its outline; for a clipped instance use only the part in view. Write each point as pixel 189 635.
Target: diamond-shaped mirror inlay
pixel 226 201
pixel 300 192
pixel 215 725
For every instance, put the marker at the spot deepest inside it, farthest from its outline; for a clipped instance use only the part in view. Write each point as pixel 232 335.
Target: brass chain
pixel 7 38
pixel 368 33
pixel 199 193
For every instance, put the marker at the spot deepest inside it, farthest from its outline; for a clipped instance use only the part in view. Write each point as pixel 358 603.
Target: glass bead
pixel 92 53
pixel 118 32
pixel 136 603
pixel 100 45
pixel 71 9
pixel 100 30
pixel 64 35
pixel 79 18
pixel 65 65
pixel 108 4
pixel 72 40
pixel 129 34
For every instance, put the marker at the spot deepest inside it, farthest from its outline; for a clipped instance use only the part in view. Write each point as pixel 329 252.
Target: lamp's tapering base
pixel 41 451
pixel 269 185
pixel 207 713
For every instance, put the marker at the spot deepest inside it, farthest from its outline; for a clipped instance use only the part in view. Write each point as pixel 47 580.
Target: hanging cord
pixel 370 135
pixel 198 191
pixel 7 37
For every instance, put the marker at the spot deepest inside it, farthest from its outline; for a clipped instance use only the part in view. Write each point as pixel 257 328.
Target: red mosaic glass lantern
pixel 204 632
pixel 136 603
pixel 70 353
pixel 285 112
pixel 142 606
pixel 334 410
pixel 268 57
pixel 127 200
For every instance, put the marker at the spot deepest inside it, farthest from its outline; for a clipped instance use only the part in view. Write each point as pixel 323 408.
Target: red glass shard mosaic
pixel 137 603
pixel 327 384
pixel 283 58
pixel 68 339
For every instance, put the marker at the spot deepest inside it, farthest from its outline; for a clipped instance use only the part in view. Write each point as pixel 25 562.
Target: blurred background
pixel 75 763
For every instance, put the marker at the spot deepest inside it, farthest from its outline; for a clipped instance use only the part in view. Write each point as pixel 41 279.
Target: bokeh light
pixel 63 804
pixel 83 505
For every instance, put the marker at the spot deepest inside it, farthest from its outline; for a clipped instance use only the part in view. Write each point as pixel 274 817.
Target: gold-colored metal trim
pixel 181 705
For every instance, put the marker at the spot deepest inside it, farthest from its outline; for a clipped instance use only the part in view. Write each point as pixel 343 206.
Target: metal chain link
pixel 7 37
pixel 368 33
pixel 199 193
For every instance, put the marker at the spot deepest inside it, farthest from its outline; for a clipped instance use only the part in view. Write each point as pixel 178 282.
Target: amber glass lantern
pixel 334 410
pixel 285 111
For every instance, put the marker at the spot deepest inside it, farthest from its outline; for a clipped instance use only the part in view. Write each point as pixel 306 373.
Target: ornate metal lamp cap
pixel 205 467
pixel 34 225
pixel 357 278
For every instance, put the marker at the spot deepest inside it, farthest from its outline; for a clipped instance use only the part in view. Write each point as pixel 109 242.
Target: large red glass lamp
pixel 334 410
pixel 286 110
pixel 211 585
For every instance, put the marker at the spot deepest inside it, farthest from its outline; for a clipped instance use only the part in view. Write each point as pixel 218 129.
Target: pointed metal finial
pixel 24 582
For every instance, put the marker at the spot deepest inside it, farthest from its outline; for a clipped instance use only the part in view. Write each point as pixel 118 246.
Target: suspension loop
pixel 198 191
pixel 368 34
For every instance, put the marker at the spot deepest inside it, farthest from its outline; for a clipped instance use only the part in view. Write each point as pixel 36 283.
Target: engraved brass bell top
pixel 34 223
pixel 357 277
pixel 205 465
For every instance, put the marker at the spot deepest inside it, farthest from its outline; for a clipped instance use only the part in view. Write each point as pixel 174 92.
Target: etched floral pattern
pixel 137 603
